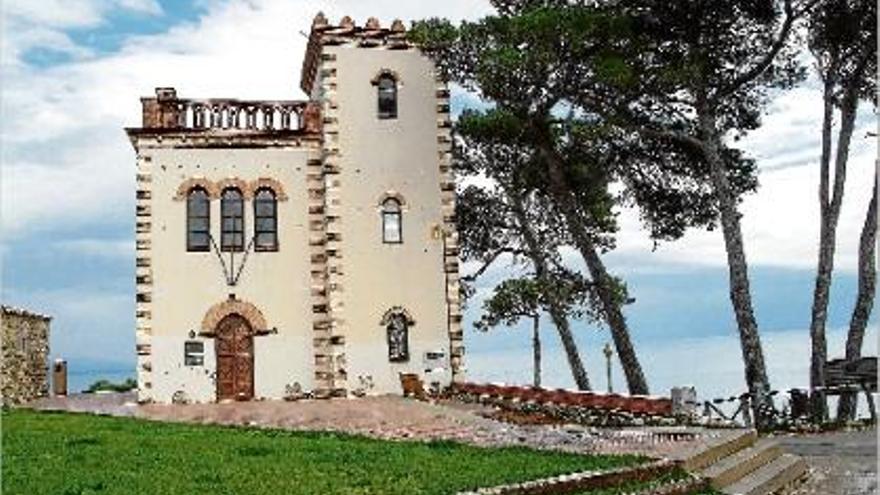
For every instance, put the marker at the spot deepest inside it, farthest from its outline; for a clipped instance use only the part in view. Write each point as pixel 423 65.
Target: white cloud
pixel 73 13
pixel 56 13
pixel 87 323
pixel 151 7
pixel 65 155
pixel 780 222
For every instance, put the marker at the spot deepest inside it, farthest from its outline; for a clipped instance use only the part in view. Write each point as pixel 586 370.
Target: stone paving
pixel 396 418
pixel 841 463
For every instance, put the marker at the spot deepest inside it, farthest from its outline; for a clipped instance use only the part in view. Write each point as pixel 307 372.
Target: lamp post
pixel 608 353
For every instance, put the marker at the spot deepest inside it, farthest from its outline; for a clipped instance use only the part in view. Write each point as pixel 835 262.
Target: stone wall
pixel 25 341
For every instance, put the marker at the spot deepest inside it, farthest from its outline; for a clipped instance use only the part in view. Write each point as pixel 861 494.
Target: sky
pixel 72 75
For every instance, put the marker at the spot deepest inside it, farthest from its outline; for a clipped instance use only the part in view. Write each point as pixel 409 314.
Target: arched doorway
pixel 235 358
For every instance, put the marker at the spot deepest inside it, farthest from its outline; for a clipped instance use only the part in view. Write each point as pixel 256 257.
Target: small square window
pixel 194 353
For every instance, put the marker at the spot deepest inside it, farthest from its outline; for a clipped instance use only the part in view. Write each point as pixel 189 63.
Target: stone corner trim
pixel 449 232
pixel 233 306
pixel 144 278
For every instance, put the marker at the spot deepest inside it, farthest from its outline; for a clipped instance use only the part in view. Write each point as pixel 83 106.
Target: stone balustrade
pixel 167 111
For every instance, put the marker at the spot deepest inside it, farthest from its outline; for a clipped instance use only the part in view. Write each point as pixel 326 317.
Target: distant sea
pixel 79 380
pixel 711 364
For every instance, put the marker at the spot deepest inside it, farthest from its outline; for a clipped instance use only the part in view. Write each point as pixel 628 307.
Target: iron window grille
pixel 398 338
pixel 232 227
pixel 193 353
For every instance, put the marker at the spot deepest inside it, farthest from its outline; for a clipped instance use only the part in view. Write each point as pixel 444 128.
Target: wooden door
pixel 235 359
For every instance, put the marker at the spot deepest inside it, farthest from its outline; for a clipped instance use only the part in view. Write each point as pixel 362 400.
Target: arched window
pixel 398 338
pixel 265 220
pixel 387 96
pixel 392 228
pixel 232 213
pixel 198 220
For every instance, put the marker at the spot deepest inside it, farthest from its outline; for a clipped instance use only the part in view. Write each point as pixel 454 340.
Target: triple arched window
pixel 232 220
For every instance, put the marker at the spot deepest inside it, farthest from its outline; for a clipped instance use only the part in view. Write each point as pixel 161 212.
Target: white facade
pixel 317 313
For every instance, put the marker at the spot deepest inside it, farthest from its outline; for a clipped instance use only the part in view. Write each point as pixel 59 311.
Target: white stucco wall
pixel 187 284
pixel 380 156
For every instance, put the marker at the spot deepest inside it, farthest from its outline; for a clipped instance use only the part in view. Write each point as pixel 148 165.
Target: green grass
pixel 67 454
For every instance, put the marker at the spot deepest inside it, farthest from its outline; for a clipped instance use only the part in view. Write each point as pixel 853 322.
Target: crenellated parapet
pixel 370 35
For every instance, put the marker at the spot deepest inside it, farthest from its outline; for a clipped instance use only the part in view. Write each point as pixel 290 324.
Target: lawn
pixel 66 454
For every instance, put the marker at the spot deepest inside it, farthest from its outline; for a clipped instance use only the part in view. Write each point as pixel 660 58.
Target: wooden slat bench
pixel 848 376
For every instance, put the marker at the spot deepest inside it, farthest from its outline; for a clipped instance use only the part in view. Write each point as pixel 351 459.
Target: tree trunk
pixel 536 350
pixel 846 409
pixel 740 292
pixel 563 197
pixel 626 353
pixel 557 313
pixel 830 215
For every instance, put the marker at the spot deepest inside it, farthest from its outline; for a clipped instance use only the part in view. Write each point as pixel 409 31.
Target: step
pixel 736 466
pixel 767 480
pixel 720 449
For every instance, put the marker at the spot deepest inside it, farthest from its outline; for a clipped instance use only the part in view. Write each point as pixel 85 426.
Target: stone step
pixel 719 449
pixel 783 471
pixel 736 466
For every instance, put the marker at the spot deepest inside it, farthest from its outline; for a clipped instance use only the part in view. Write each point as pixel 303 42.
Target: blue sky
pixel 72 75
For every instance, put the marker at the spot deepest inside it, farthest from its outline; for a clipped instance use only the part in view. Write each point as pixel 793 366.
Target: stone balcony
pixel 166 113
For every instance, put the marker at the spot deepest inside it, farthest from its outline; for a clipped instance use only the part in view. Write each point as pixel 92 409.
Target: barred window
pixel 265 220
pixel 392 228
pixel 193 353
pixel 232 228
pixel 387 96
pixel 198 220
pixel 398 338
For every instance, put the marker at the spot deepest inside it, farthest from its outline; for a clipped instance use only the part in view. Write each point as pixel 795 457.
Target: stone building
pixel 24 370
pixel 289 247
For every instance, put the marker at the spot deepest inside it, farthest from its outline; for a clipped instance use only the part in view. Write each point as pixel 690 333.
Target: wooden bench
pixel 843 376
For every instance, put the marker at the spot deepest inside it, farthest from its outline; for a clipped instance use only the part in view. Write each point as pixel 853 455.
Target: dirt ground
pixel 396 418
pixel 841 463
